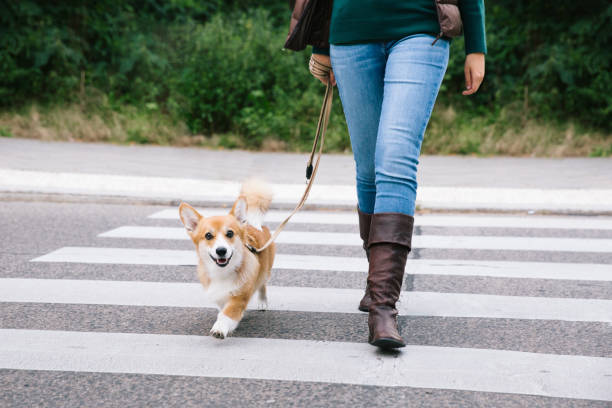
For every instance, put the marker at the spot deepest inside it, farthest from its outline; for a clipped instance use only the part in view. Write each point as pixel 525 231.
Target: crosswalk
pixel 465 330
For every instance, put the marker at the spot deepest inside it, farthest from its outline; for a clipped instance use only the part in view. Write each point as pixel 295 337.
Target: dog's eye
pixel 230 233
pixel 208 236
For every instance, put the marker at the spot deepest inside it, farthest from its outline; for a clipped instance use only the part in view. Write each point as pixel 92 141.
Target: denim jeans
pixel 388 90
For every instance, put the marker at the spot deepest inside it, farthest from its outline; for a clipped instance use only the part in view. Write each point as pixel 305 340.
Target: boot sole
pixel 388 343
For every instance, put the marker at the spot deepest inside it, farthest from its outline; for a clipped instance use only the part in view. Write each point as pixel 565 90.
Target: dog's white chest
pixel 219 291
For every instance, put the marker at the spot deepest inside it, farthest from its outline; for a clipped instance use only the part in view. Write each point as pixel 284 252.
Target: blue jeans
pixel 388 90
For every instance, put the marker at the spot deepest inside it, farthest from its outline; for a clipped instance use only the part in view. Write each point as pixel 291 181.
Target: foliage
pixel 554 59
pixel 236 78
pixel 217 66
pixel 50 48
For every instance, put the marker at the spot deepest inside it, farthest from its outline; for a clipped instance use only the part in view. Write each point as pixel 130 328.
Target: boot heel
pixel 388 343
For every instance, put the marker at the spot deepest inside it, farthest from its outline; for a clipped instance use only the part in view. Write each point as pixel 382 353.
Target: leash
pixel 319 70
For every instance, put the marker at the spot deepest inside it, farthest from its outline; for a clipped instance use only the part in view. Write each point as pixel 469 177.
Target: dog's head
pixel 219 239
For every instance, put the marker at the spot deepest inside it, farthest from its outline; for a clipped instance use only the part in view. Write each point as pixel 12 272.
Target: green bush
pixel 554 59
pixel 49 47
pixel 237 78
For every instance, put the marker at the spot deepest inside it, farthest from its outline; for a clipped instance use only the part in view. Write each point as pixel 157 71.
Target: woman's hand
pixel 325 60
pixel 474 72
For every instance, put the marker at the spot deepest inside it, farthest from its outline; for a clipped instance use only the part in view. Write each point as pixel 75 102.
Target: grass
pixel 95 119
pixel 507 132
pixel 93 123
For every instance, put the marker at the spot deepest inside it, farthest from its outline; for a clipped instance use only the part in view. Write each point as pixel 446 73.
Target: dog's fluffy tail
pixel 258 196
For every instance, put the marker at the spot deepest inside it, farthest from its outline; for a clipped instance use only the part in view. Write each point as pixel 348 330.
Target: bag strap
pixel 323 70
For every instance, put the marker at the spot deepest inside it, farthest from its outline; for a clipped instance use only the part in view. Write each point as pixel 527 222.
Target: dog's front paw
pixel 217 333
pixel 223 326
pixel 219 330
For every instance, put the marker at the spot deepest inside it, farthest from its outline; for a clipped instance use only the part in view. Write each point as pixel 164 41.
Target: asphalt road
pixel 66 347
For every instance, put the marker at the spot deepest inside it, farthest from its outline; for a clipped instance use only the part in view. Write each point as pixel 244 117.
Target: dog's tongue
pixel 222 260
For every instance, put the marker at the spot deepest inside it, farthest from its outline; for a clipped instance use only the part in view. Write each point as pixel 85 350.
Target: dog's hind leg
pixel 262 303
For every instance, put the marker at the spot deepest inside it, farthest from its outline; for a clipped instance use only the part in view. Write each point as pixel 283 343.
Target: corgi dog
pixel 228 270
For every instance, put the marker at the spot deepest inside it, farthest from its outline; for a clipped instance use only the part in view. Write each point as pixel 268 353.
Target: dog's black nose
pixel 221 251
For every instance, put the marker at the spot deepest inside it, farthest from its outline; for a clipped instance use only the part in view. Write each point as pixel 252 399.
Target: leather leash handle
pixel 319 70
pixel 320 134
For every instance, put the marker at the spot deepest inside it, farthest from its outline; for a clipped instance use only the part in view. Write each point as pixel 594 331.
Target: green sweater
pixel 359 21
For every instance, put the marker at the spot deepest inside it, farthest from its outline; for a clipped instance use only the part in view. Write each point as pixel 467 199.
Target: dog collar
pixel 251 248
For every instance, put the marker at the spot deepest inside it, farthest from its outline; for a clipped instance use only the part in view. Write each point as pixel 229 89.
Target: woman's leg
pixel 413 75
pixel 359 71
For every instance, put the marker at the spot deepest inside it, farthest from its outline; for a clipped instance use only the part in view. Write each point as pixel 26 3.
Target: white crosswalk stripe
pixel 426 220
pixel 418 241
pixel 302 360
pixel 531 270
pixel 449 368
pixel 300 299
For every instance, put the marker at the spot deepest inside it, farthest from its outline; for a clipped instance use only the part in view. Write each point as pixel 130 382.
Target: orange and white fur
pixel 229 272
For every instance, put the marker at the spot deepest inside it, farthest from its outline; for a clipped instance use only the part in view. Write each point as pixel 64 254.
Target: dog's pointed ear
pixel 189 216
pixel 239 210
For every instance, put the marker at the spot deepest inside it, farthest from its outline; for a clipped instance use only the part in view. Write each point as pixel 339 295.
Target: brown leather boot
pixel 364 233
pixel 389 244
